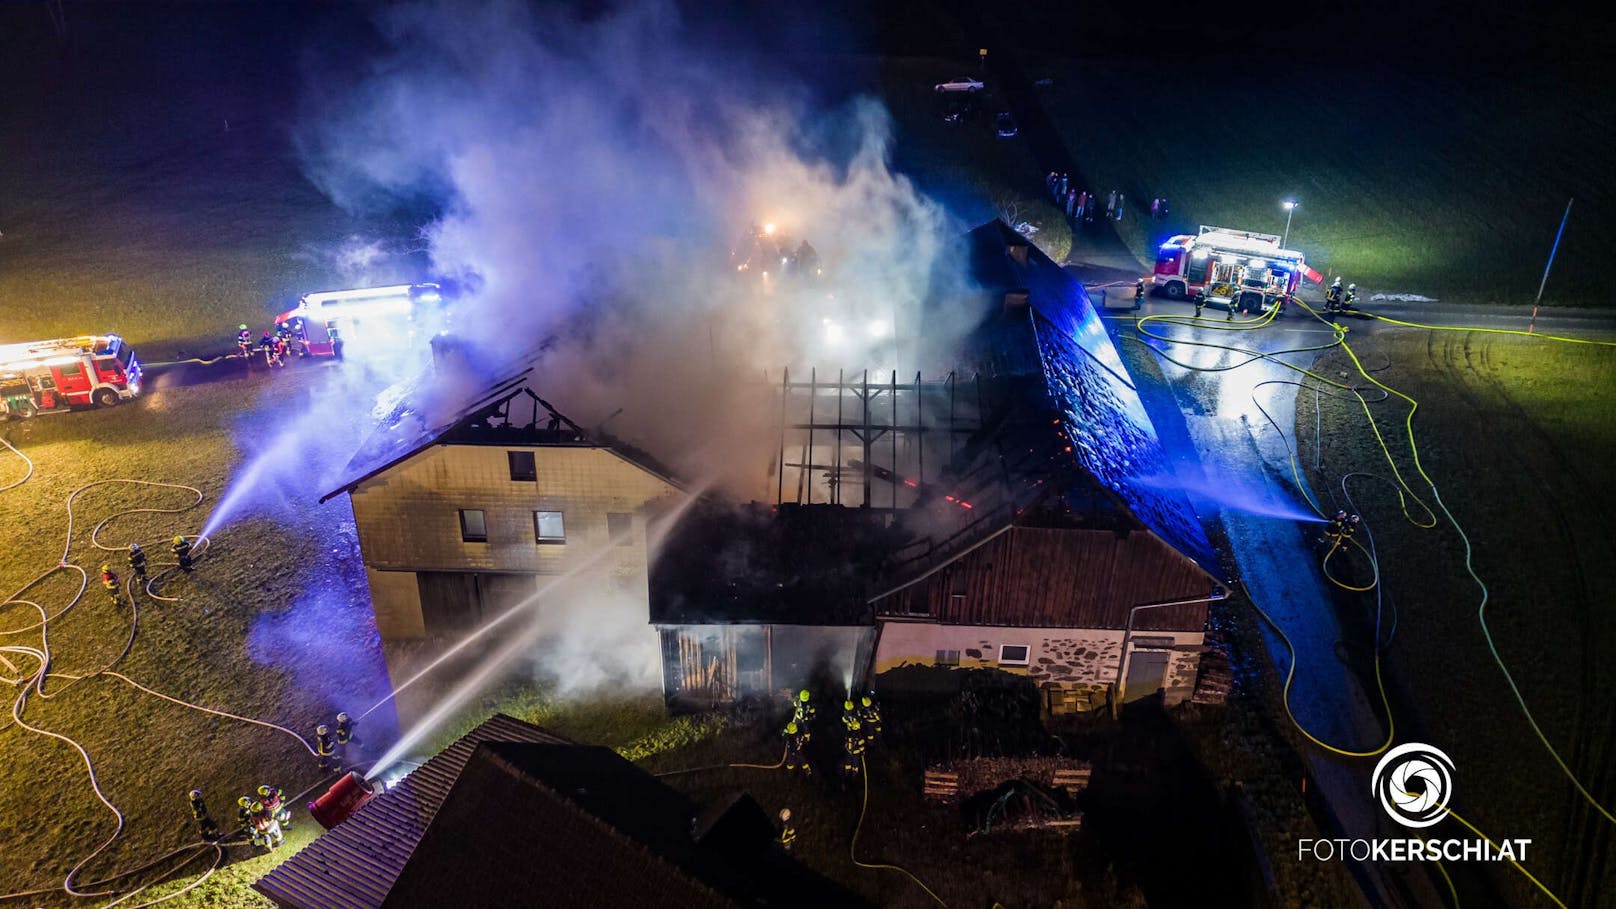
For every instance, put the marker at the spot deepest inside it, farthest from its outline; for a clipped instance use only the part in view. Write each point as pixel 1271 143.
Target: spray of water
pixel 525 627
pixel 1231 494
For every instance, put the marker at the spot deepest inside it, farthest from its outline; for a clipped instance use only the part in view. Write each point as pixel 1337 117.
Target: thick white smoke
pixel 596 182
pixel 597 179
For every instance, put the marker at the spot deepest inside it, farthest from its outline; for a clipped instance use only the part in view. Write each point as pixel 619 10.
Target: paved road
pixel 1241 462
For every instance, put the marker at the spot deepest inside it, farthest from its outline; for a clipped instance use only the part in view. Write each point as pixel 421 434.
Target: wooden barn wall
pixel 1060 578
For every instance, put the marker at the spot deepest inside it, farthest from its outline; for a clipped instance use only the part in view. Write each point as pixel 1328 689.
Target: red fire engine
pixel 1244 269
pixel 50 376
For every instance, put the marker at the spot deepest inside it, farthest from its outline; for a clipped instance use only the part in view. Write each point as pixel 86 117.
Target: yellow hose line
pixel 1518 866
pixel 1413 445
pixel 1452 891
pixel 1494 331
pixel 852 847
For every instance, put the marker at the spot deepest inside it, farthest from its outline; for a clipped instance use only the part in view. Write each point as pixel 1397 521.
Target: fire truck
pixel 1243 269
pixel 52 376
pixel 329 320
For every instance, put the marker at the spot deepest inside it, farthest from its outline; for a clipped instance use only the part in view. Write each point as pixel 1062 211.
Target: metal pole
pixel 1554 249
pixel 1286 239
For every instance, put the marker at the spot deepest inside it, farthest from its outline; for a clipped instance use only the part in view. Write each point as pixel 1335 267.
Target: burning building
pixel 1015 519
pixel 493 504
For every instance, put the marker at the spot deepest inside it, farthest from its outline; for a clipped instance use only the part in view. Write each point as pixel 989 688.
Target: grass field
pixel 1517 435
pixel 1449 185
pixel 224 644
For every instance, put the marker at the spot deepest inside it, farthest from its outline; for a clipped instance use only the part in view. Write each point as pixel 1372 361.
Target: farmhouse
pixel 1023 518
pixel 461 520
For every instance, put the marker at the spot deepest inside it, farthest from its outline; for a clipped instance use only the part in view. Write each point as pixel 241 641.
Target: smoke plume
pixel 597 182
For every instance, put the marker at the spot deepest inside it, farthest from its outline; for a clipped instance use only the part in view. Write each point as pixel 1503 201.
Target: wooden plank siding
pixel 1059 578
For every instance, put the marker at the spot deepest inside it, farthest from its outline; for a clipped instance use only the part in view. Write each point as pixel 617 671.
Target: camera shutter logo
pixel 1414 783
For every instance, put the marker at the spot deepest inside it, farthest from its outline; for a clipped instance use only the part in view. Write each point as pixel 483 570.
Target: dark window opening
pixel 1014 654
pixel 454 602
pixel 523 467
pixel 620 527
pixel 948 657
pixel 473 525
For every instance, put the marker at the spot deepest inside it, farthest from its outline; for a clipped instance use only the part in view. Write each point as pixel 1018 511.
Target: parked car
pixel 1004 125
pixel 960 84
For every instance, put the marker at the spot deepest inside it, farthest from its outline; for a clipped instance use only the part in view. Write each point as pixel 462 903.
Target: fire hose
pixel 25 459
pixel 1405 494
pixel 33 684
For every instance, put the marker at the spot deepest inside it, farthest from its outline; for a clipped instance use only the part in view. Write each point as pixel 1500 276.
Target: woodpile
pixel 1214 680
pixel 965 778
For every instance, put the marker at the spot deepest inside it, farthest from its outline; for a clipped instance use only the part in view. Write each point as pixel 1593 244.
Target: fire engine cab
pixel 325 322
pixel 51 376
pixel 1243 269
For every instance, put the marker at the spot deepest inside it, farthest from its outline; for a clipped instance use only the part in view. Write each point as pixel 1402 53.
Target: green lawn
pixel 1410 181
pixel 1517 433
pixel 206 648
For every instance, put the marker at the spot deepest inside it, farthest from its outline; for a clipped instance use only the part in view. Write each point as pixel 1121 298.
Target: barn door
pixel 1147 674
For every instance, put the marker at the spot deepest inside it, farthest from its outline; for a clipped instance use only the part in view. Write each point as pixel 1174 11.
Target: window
pixel 72 369
pixel 948 657
pixel 620 527
pixel 548 527
pixel 1014 654
pixel 473 525
pixel 523 469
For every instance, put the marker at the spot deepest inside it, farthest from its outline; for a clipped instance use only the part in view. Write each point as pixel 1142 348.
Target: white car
pixel 960 84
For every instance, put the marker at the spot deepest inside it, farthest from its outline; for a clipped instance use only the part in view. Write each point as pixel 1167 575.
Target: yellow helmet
pixel 865 700
pixel 791 728
pixel 847 705
pixel 803 695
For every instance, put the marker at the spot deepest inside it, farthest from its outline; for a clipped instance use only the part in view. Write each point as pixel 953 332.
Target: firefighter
pixel 1350 299
pixel 199 812
pixel 1349 528
pixel 243 339
pixel 1139 293
pixel 266 830
pixel 244 811
pixel 182 552
pixel 850 718
pixel 1335 527
pixel 278 351
pixel 274 799
pixel 854 746
pixel 345 732
pixel 137 562
pixel 109 580
pixel 1200 303
pixel 797 739
pixel 1332 297
pixel 300 333
pixel 788 833
pixel 805 710
pixel 869 715
pixel 323 749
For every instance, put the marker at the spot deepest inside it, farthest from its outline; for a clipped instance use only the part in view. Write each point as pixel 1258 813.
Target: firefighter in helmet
pixel 204 822
pixel 324 749
pixel 137 562
pixel 244 810
pixel 1139 293
pixel 788 833
pixel 109 580
pixel 345 731
pixel 797 738
pixel 243 339
pixel 1349 528
pixel 869 715
pixel 853 745
pixel 1332 297
pixel 1350 299
pixel 274 800
pixel 805 710
pixel 182 552
pixel 1334 528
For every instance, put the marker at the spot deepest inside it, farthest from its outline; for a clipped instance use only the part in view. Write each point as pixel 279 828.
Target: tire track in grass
pixel 1448 362
pixel 1592 730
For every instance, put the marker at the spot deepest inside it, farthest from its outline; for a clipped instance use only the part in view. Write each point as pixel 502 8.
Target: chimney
pixel 1018 251
pixel 1015 301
